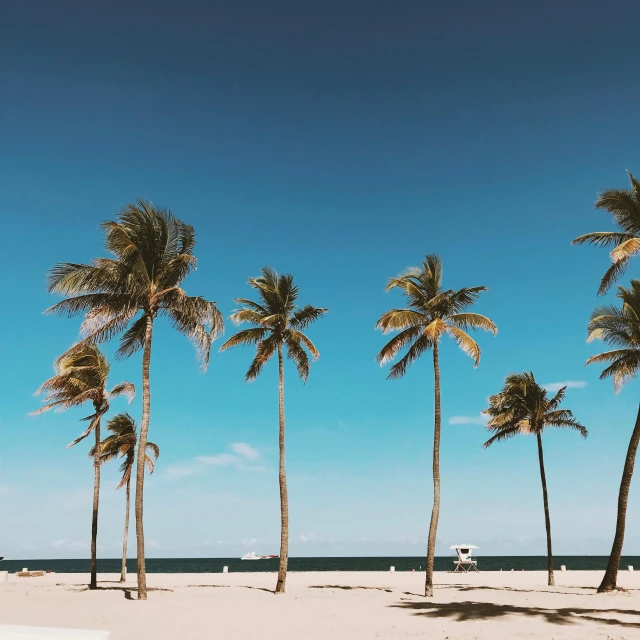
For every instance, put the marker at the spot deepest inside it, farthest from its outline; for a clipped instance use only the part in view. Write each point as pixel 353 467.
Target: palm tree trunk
pixel 123 573
pixel 547 519
pixel 609 582
pixel 284 501
pixel 142 448
pixel 435 513
pixel 93 584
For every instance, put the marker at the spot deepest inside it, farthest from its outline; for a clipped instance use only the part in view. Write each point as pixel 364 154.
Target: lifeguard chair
pixel 465 561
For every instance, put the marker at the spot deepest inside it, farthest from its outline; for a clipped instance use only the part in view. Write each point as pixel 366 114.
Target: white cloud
pixel 245 450
pixel 307 537
pixel 244 458
pixel 220 460
pixel 570 384
pixel 152 544
pixel 480 419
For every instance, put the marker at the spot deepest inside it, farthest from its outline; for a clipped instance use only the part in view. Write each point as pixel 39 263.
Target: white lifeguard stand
pixel 465 561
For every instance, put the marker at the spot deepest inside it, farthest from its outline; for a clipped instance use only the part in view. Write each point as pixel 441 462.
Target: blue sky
pixel 340 142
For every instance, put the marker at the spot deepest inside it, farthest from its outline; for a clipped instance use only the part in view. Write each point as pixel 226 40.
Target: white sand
pixel 488 605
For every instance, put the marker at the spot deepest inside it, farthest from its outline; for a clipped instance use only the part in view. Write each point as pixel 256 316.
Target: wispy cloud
pixel 570 384
pixel 309 537
pixel 245 450
pixel 220 460
pixel 479 419
pixel 244 458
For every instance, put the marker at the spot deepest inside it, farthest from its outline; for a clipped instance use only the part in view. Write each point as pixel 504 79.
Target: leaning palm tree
pixel 432 312
pixel 523 407
pixel 620 328
pixel 122 444
pixel 624 206
pixel 81 376
pixel 152 254
pixel 278 324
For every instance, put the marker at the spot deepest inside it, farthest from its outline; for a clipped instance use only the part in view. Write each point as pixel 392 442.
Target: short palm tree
pixel 620 328
pixel 523 407
pixel 122 444
pixel 432 312
pixel 152 254
pixel 278 324
pixel 624 206
pixel 81 376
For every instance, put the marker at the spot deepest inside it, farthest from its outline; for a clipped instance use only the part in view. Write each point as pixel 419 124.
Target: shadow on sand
pixel 347 588
pixel 229 586
pixel 127 591
pixel 469 610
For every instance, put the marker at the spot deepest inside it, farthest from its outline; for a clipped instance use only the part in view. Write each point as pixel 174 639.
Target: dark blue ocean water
pixel 214 565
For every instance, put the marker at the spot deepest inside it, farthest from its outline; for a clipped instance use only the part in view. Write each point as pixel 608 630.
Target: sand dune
pixel 489 605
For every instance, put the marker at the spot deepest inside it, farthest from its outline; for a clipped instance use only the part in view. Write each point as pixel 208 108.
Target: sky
pixel 339 142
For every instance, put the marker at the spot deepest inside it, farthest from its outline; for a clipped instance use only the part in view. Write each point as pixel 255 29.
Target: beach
pixel 496 605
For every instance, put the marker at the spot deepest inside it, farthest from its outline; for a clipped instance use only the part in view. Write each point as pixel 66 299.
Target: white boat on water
pixel 253 556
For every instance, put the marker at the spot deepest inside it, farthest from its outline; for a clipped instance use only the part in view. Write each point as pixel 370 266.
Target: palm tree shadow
pixel 127 591
pixel 469 610
pixel 227 586
pixel 347 588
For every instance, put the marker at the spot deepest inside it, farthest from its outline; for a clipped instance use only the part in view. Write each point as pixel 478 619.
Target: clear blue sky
pixel 338 141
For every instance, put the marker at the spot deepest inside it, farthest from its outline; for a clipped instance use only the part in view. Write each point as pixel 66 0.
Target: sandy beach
pixel 331 605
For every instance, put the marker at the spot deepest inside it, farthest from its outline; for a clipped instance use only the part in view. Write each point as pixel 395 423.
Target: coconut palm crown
pixel 277 322
pixel 523 407
pixel 122 444
pixel 624 206
pixel 618 326
pixel 152 254
pixel 81 376
pixel 431 313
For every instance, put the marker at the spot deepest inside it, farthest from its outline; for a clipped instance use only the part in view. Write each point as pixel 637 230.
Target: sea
pixel 235 565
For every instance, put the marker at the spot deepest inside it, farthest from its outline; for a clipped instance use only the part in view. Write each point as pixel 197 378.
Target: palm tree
pixel 624 206
pixel 153 253
pixel 122 444
pixel 432 312
pixel 278 323
pixel 81 376
pixel 620 328
pixel 523 407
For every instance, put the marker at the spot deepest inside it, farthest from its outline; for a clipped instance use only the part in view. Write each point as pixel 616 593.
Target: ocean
pixel 215 565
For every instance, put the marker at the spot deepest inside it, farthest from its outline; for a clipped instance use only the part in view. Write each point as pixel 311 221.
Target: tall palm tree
pixel 81 375
pixel 278 324
pixel 620 328
pixel 432 312
pixel 152 254
pixel 624 206
pixel 523 407
pixel 122 444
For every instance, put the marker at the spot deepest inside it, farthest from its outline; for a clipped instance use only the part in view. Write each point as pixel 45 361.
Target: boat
pixel 253 556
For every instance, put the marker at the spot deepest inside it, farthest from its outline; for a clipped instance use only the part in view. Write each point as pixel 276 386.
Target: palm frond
pixel 466 344
pixel 398 342
pixel 397 319
pixel 266 348
pixel 467 321
pixel 126 389
pixel 245 337
pixel 602 238
pixel 421 345
pixel 303 317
